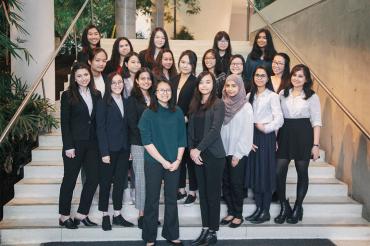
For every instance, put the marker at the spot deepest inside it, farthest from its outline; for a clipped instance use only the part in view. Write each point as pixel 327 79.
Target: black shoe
pixel 200 238
pixel 285 212
pixel 174 243
pixel 181 196
pixel 106 225
pixel 255 214
pixel 261 218
pixel 119 220
pixel 69 224
pixel 140 222
pixel 190 200
pixel 234 225
pixel 226 222
pixel 296 216
pixel 86 221
pixel 210 238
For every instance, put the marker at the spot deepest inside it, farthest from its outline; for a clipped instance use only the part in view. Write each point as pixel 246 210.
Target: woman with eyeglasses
pixel 281 72
pixel 163 134
pixel 237 66
pixel 112 132
pixel 222 46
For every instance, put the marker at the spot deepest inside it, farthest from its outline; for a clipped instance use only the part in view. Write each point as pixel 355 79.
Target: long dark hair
pixel 149 54
pixel 285 77
pixel 108 88
pixel 126 72
pixel 247 84
pixel 158 67
pixel 195 103
pixel 254 87
pixel 96 51
pixel 171 103
pixel 220 35
pixel 116 57
pixel 85 42
pixel 218 66
pixel 269 50
pixel 136 91
pixel 192 59
pixel 73 86
pixel 307 87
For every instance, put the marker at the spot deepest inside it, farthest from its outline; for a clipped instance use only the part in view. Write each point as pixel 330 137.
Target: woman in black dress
pixel 222 45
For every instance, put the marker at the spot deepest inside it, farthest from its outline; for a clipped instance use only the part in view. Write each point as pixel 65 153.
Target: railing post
pixel 75 41
pixel 248 18
pixel 92 11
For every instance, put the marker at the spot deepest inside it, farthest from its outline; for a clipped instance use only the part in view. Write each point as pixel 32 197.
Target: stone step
pixel 48 187
pixel 55 170
pixel 28 208
pixel 15 232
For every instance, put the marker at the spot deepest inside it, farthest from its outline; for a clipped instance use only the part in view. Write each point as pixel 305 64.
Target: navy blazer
pixel 111 127
pixel 76 122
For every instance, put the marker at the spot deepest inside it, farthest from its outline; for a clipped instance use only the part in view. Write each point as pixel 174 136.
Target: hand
pixel 174 166
pixel 70 153
pixel 166 165
pixel 195 156
pixel 315 153
pixel 234 161
pixel 106 159
pixel 277 146
pixel 186 119
pixel 254 147
pixel 260 127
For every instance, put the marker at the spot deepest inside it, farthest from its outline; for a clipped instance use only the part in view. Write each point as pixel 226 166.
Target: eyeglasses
pixel 236 64
pixel 260 76
pixel 117 83
pixel 162 91
pixel 278 63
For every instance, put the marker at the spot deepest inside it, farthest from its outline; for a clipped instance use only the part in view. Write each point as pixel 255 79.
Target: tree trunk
pixel 125 16
pixel 157 14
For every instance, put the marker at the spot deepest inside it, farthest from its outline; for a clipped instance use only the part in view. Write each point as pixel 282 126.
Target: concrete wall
pixel 333 36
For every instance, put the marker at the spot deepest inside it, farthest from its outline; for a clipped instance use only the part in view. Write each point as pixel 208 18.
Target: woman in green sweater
pixel 163 134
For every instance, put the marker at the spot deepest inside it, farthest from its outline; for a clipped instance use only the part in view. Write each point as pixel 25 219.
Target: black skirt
pixel 295 139
pixel 261 165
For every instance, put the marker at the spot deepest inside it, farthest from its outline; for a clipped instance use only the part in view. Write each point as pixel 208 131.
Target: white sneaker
pixel 127 197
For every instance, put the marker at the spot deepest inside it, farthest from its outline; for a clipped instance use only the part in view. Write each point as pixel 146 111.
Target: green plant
pixel 184 34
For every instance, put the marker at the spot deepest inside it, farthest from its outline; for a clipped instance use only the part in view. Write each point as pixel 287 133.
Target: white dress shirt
pixel 86 96
pixel 296 107
pixel 119 103
pixel 267 110
pixel 129 84
pixel 237 135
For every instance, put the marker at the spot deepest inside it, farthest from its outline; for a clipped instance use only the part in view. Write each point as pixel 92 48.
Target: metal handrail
pixel 38 80
pixel 320 82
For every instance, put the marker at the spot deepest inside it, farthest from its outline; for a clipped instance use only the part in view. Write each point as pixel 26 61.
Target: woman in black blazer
pixel 80 148
pixel 112 131
pixel 207 114
pixel 183 89
pixel 90 40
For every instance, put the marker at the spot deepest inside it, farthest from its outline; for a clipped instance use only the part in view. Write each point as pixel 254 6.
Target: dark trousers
pixel 187 163
pixel 233 187
pixel 154 174
pixel 263 200
pixel 209 177
pixel 87 157
pixel 115 172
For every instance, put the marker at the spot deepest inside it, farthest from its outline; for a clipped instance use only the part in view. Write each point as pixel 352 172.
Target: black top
pixel 186 93
pixel 199 118
pixel 83 57
pixel 135 109
pixel 76 122
pixel 213 120
pixel 224 60
pixel 250 66
pixel 111 127
pixel 109 68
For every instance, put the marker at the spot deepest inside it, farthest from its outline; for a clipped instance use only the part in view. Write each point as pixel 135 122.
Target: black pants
pixel 209 176
pixel 87 157
pixel 115 172
pixel 154 174
pixel 233 187
pixel 187 163
pixel 263 200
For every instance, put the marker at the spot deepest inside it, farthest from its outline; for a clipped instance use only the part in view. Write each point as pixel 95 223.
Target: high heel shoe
pixel 262 217
pixel 296 216
pixel 285 212
pixel 86 221
pixel 179 243
pixel 69 224
pixel 224 221
pixel 236 225
pixel 255 214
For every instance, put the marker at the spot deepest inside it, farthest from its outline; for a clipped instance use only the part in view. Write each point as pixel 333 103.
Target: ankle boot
pixel 255 214
pixel 262 217
pixel 285 212
pixel 200 239
pixel 296 215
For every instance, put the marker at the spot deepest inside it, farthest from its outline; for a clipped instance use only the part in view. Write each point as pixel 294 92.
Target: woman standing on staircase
pixel 222 46
pixel 237 67
pixel 158 41
pixel 90 40
pixel 80 147
pixel 131 66
pixel 121 48
pixel 212 64
pixel 165 65
pixel 298 139
pixel 112 132
pixel 281 72
pixel 97 61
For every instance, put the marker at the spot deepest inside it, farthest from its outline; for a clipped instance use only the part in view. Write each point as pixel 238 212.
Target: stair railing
pixel 40 77
pixel 316 77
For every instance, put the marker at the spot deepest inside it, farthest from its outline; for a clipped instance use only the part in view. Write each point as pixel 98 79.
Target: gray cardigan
pixel 214 118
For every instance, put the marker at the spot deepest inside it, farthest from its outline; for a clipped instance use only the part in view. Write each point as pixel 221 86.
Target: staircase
pixel 32 216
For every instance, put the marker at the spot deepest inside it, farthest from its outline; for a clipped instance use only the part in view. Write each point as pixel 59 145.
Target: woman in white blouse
pixel 261 164
pixel 97 61
pixel 237 138
pixel 298 139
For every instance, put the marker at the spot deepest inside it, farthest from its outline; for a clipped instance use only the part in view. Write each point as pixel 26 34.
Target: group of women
pixel 236 125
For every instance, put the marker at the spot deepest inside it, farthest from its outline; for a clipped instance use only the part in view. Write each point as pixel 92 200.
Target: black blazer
pixel 186 93
pixel 76 123
pixel 83 57
pixel 135 109
pixel 213 120
pixel 111 127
